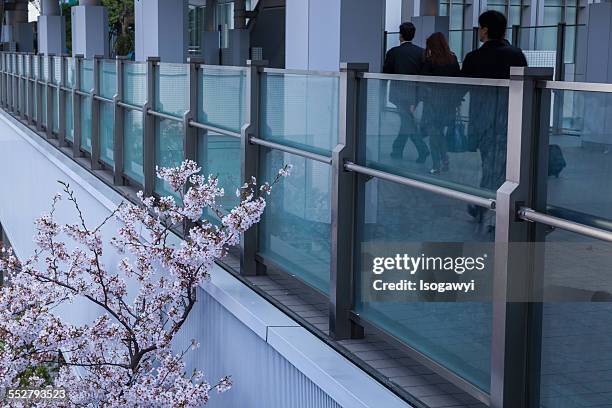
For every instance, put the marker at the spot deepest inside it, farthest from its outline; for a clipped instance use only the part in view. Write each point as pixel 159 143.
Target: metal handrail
pixel 163 115
pixel 214 129
pixel 575 86
pixel 443 191
pixel 291 150
pixel 529 214
pixel 129 106
pixel 504 83
pixel 300 72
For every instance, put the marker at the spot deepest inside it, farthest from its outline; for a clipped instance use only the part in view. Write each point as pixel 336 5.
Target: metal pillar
pixel 249 154
pixel 95 114
pixel 516 321
pixel 149 129
pixel 61 108
pixel 76 107
pixel 49 96
pixel 343 200
pixel 118 135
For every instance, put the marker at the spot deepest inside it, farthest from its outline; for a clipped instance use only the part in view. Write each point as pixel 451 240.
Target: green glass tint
pixel 219 155
pixel 35 66
pixel 135 83
pixel 54 110
pixel 295 230
pixel 221 97
pixel 168 150
pixel 577 317
pixel 394 219
pixel 107 127
pixel 57 70
pixel 108 79
pixel 300 111
pixel 87 83
pixel 579 161
pixel 449 135
pixel 133 145
pixel 70 72
pixel 69 103
pixel 43 99
pixel 45 68
pixel 86 123
pixel 172 89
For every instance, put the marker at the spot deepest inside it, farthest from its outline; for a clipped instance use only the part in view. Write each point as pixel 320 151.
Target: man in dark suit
pixel 489 105
pixel 406 59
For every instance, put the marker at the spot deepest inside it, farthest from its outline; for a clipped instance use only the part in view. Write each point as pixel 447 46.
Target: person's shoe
pixel 396 155
pixel 422 158
pixel 445 165
pixel 435 172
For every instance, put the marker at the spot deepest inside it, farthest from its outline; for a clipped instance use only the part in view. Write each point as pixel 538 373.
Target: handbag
pixel 456 140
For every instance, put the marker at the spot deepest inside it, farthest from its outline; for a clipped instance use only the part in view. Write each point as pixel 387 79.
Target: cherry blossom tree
pixel 124 358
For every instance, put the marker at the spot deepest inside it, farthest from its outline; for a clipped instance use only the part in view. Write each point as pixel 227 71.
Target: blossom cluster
pixel 125 357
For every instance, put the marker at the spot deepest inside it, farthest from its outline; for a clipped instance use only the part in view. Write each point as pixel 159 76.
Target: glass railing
pixel 300 110
pixel 221 105
pixel 577 315
pixel 388 164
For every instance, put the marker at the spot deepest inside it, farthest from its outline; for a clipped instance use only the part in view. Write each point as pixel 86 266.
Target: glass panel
pixel 222 98
pixel 87 83
pixel 168 150
pixel 577 316
pixel 451 328
pixel 295 229
pixel 54 108
pixel 172 89
pixel 133 145
pixel 135 83
pixel 70 74
pixel 107 127
pixel 28 71
pixel 108 79
pixel 431 132
pixel 20 64
pixel 57 70
pixel 300 111
pixel 579 161
pixel 35 66
pixel 43 91
pixel 220 156
pixel 86 123
pixel 45 69
pixel 577 322
pixel 69 112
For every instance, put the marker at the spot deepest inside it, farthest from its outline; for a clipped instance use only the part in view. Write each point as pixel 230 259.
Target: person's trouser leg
pixel 402 136
pixel 436 139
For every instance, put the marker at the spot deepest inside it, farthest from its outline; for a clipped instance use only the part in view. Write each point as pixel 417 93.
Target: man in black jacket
pixel 406 59
pixel 489 105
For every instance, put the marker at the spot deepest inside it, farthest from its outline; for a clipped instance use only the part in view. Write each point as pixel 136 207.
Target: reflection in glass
pixel 133 146
pixel 219 155
pixel 172 89
pixel 300 111
pixel 222 98
pixel 395 219
pixel 449 135
pixel 295 230
pixel 86 123
pixel 107 126
pixel 168 150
